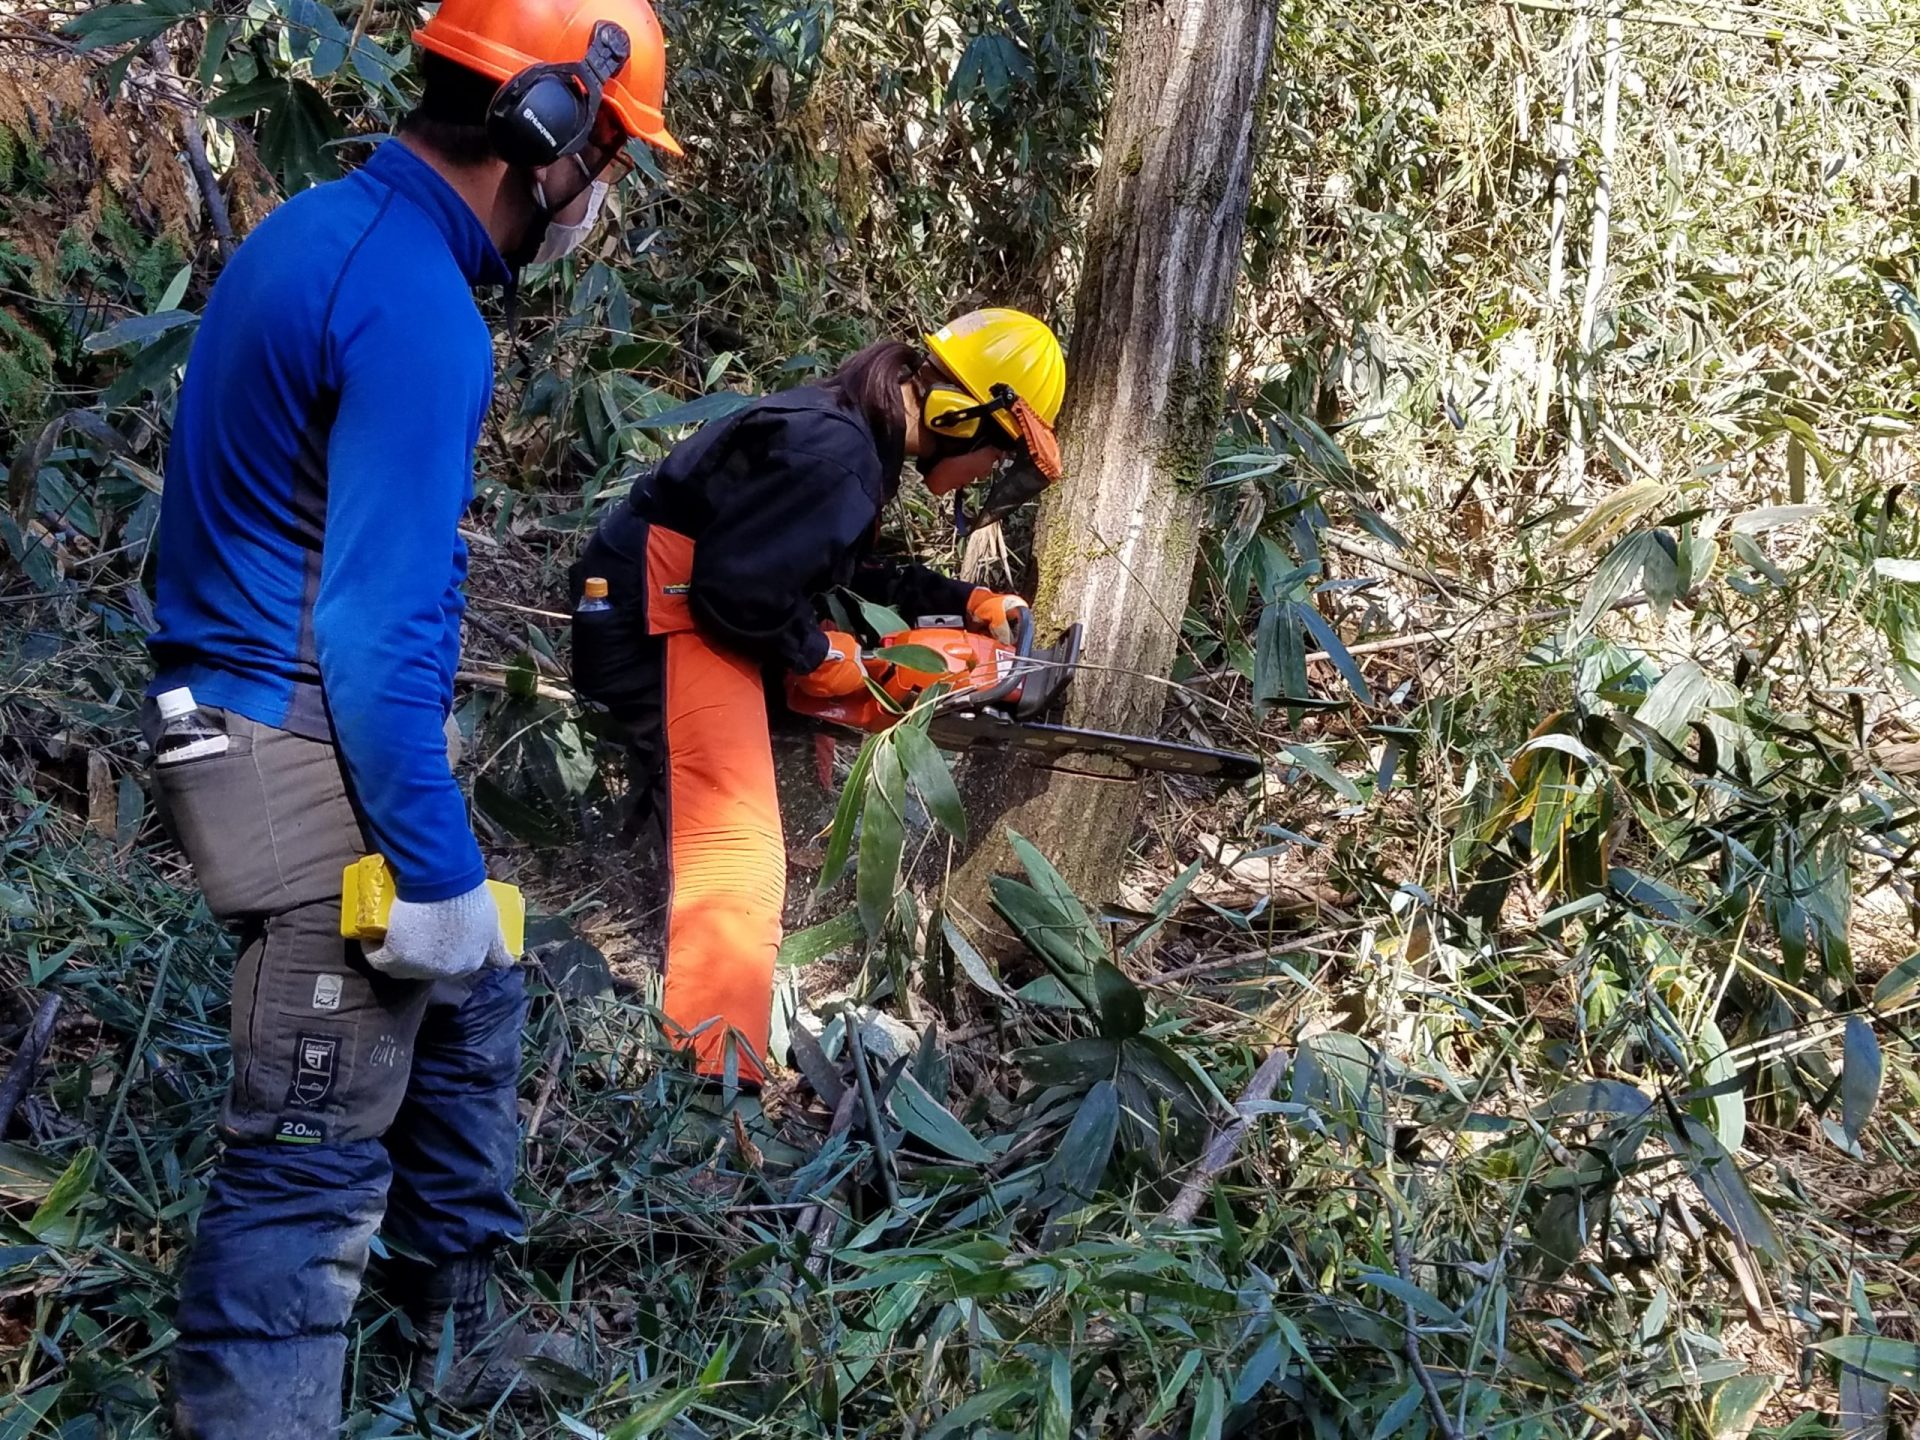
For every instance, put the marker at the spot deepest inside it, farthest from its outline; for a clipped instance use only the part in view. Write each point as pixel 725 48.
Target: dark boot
pixel 489 1347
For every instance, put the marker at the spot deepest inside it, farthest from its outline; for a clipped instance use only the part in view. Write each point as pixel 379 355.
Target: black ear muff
pixel 546 112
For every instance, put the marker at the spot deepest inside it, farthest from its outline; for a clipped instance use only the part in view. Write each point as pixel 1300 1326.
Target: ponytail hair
pixel 869 382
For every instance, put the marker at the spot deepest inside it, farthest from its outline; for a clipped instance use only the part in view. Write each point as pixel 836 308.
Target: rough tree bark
pixel 1117 539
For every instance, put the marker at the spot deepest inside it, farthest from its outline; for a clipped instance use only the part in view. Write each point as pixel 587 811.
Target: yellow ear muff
pixel 944 401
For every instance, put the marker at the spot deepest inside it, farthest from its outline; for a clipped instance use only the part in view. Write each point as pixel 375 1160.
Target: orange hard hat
pixel 500 38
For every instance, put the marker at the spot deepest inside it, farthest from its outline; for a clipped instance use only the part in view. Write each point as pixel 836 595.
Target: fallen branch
pixel 1410 1345
pixel 1389 562
pixel 26 1060
pixel 1245 957
pixel 192 142
pixel 1484 622
pixel 499 682
pixel 1226 1142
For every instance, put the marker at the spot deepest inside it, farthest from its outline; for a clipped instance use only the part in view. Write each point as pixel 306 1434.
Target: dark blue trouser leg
pixel 269 1287
pixel 455 1144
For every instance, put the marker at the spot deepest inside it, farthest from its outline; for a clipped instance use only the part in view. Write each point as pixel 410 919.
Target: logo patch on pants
pixel 326 992
pixel 315 1070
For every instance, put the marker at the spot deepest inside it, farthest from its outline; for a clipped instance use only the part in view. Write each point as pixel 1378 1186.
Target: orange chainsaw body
pixel 974 662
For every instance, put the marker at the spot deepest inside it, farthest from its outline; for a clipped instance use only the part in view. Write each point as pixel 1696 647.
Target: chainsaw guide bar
pixel 962 729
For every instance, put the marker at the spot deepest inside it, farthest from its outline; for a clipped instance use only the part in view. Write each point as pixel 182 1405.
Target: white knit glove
pixel 442 938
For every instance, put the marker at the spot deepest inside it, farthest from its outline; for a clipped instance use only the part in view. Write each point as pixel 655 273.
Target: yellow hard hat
pixel 985 349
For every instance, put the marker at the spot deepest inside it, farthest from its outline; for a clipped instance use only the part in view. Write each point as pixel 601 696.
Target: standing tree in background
pixel 1118 537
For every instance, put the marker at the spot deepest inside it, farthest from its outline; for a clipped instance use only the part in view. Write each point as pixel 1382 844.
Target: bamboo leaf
pixel 1310 759
pixel 1123 1009
pixel 816 942
pixel 1860 1075
pixel 882 836
pixel 1080 1163
pixel 846 816
pixel 972 963
pixel 927 768
pixel 1329 640
pixel 68 1191
pixel 1895 1361
pixel 1898 983
pixel 926 1119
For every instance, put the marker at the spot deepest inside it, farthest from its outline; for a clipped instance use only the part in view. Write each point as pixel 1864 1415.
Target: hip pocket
pixel 215 808
pixel 614 662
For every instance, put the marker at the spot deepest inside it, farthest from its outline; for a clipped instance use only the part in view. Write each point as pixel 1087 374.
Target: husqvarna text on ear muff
pixel 546 112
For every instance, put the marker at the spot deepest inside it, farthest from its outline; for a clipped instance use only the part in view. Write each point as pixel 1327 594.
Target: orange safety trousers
pixel 726 860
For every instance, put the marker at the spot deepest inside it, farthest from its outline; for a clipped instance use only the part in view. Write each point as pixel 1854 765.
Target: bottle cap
pixel 595 589
pixel 175 703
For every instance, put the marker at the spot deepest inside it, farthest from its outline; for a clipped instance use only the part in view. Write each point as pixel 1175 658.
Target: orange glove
pixel 839 674
pixel 994 613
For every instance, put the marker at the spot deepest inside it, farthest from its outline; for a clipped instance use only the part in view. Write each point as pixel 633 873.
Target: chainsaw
pixel 994 696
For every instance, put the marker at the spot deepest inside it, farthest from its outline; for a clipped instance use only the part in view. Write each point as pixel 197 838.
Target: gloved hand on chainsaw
pixel 841 673
pixel 994 613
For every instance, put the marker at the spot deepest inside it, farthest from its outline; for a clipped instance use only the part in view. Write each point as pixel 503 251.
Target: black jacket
pixel 782 501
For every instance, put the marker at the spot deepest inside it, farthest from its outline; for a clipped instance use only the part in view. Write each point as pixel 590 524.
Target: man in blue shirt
pixel 309 597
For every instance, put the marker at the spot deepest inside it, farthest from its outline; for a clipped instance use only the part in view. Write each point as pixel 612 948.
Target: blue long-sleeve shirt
pixel 309 565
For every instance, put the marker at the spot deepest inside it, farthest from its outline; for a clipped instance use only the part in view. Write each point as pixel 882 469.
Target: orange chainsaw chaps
pixel 728 862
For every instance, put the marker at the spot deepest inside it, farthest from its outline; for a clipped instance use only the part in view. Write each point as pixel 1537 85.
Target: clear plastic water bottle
pixel 183 734
pixel 593 597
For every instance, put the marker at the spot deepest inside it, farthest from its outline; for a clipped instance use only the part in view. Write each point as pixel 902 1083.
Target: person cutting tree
pixel 710 575
pixel 308 590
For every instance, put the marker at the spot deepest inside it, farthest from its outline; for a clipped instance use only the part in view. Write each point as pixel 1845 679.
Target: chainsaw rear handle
pixel 997 692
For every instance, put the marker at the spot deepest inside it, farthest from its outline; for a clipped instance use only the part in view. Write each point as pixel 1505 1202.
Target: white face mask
pixel 562 239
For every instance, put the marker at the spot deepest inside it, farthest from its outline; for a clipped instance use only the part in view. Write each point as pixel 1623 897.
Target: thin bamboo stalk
pixel 1584 361
pixel 1563 142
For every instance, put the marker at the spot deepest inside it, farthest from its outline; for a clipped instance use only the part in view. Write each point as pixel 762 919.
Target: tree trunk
pixel 1117 539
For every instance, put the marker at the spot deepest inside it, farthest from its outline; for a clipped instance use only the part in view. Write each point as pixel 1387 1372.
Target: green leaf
pixel 68 1191
pixel 879 618
pixel 964 1419
pixel 1394 1419
pixel 816 942
pixel 137 329
pixel 655 1413
pixel 1725 1109
pixel 846 816
pixel 1078 1166
pixel 1424 1305
pixel 695 412
pixel 152 368
pixel 920 659
pixel 1262 1366
pixel 927 769
pixel 1279 657
pixel 1736 1406
pixel 107 25
pixel 972 962
pixel 26 1174
pixel 1070 1063
pixel 1898 983
pixel 1209 1410
pixel 1895 1361
pixel 1614 579
pixel 1056 1411
pixel 1122 1008
pixel 1329 640
pixel 1310 759
pixel 1713 1170
pixel 882 837
pixel 1860 1075
pixel 925 1118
